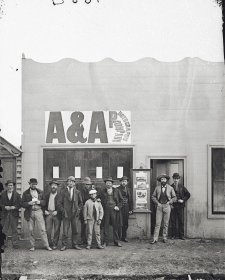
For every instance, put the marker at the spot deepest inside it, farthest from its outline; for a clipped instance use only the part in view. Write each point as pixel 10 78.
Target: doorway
pixel 167 166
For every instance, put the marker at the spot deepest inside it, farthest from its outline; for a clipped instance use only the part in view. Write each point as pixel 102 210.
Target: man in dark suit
pixel 10 203
pixel 111 200
pixel 33 202
pixel 177 213
pixel 71 205
pixel 127 206
pixel 53 214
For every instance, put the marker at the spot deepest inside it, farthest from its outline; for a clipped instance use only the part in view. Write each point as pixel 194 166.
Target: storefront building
pixel 106 118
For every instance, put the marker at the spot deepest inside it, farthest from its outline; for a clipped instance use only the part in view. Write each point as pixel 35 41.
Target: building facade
pixel 103 119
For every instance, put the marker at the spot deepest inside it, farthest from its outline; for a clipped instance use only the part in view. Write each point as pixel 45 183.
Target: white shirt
pixel 51 202
pixel 70 191
pixel 9 195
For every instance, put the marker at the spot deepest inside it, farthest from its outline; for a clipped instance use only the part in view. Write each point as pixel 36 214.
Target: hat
pixel 54 182
pixel 71 178
pixel 176 176
pixel 163 176
pixel 124 178
pixel 33 181
pixel 10 182
pixel 87 181
pixel 92 191
pixel 109 179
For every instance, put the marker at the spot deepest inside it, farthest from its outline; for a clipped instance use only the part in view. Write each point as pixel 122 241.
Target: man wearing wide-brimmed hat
pixel 72 204
pixel 10 204
pixel 177 213
pixel 163 197
pixel 53 214
pixel 111 201
pixel 84 189
pixel 33 202
pixel 127 206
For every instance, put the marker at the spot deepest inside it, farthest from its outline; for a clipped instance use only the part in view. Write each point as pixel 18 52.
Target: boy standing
pixel 93 214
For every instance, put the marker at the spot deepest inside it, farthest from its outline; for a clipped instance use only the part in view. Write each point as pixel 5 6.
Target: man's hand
pixel 180 200
pixel 8 208
pixel 38 202
pixel 159 204
pixel 99 222
pixel 168 202
pixel 46 213
pixel 31 202
pixel 131 212
pixel 98 199
pixel 54 213
pixel 12 207
pixel 85 222
pixel 116 208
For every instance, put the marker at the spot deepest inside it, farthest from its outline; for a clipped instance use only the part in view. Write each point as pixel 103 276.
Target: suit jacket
pixel 116 196
pixel 181 193
pixel 58 204
pixel 88 210
pixel 14 201
pixel 170 193
pixel 129 196
pixel 27 198
pixel 71 207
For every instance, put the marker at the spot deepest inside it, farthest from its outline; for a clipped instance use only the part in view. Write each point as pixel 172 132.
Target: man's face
pixel 70 183
pixel 124 183
pixel 54 188
pixel 10 187
pixel 33 186
pixel 176 180
pixel 108 184
pixel 93 196
pixel 163 181
pixel 88 186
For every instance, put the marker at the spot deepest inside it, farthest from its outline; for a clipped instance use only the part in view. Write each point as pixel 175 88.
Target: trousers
pixel 10 222
pixel 73 221
pixel 177 221
pixel 125 217
pixel 162 214
pixel 93 226
pixel 53 223
pixel 111 216
pixel 37 218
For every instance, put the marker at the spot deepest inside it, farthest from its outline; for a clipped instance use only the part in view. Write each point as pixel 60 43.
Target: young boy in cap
pixel 93 214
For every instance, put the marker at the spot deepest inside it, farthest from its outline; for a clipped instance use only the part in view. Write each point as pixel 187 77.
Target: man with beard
pixel 111 201
pixel 127 206
pixel 10 203
pixel 53 214
pixel 33 202
pixel 177 213
pixel 163 197
pixel 86 187
pixel 71 205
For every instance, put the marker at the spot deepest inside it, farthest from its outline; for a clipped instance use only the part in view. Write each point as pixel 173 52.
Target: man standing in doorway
pixel 10 203
pixel 163 197
pixel 33 202
pixel 71 206
pixel 177 213
pixel 85 188
pixel 53 214
pixel 111 201
pixel 127 206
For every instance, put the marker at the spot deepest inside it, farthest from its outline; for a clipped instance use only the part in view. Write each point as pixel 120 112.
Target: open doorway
pixel 168 166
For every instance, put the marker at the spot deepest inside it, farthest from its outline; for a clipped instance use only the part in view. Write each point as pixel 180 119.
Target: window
pixel 218 180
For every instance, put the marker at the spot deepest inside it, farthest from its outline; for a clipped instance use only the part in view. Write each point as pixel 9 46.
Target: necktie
pixel 71 193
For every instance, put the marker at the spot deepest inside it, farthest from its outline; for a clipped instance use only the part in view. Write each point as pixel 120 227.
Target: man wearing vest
pixel 33 202
pixel 127 206
pixel 71 206
pixel 163 197
pixel 10 203
pixel 53 214
pixel 177 213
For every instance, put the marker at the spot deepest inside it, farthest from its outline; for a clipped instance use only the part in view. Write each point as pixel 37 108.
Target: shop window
pixel 218 180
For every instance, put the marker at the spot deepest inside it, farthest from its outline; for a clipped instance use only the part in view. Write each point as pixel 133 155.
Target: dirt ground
pixel 137 258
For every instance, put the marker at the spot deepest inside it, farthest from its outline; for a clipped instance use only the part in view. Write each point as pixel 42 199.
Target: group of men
pixel 69 206
pixel 95 210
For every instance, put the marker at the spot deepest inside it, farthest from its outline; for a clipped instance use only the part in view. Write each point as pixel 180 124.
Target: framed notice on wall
pixel 141 189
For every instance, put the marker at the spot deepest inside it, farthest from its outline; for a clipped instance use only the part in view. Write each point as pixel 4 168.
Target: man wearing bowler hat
pixel 10 203
pixel 85 188
pixel 177 213
pixel 127 206
pixel 111 201
pixel 163 197
pixel 71 206
pixel 33 202
pixel 53 214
